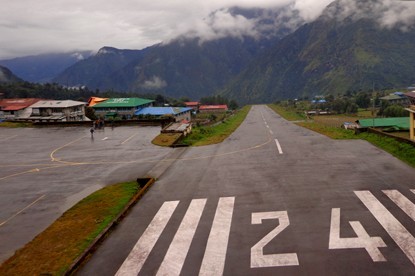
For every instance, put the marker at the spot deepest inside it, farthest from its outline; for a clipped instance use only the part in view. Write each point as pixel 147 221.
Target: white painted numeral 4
pixel 363 240
pixel 258 259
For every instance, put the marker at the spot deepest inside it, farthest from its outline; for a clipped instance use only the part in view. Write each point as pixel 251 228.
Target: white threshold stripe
pixel 135 260
pixel 404 203
pixel 178 249
pixel 395 229
pixel 278 146
pixel 215 254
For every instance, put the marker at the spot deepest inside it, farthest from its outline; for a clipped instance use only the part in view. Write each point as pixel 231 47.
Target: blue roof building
pixel 180 113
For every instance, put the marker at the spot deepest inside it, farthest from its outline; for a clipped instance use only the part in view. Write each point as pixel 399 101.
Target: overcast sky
pixel 29 27
pixel 35 26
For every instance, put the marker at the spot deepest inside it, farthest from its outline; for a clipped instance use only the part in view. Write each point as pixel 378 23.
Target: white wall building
pixel 58 111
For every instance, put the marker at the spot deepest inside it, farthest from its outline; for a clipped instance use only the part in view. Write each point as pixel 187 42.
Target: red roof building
pixel 213 108
pixel 14 108
pixel 194 105
pixel 411 97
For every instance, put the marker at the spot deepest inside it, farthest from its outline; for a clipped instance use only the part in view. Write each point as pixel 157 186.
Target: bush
pixel 395 111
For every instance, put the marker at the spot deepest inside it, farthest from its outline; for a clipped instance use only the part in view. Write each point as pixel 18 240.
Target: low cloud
pixel 46 26
pixel 253 21
pixel 387 13
pixel 154 83
pixel 78 56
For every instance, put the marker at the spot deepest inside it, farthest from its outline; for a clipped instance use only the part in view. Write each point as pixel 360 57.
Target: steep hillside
pixel 6 76
pixel 187 68
pixel 329 56
pixel 95 71
pixel 43 68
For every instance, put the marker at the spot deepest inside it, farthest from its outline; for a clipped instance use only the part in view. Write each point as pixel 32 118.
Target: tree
pixel 160 100
pixel 395 111
pixel 90 113
pixel 233 105
pixel 352 108
pixel 218 99
pixel 362 100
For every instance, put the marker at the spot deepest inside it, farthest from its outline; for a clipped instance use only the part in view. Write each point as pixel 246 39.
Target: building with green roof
pixel 397 123
pixel 120 107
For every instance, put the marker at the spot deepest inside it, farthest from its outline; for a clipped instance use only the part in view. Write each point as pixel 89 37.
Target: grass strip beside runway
pixel 207 135
pixel 55 249
pixel 400 150
pixel 290 114
pixel 403 151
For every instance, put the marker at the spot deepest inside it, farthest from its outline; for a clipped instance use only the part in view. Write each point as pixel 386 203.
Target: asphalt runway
pixel 45 171
pixel 273 199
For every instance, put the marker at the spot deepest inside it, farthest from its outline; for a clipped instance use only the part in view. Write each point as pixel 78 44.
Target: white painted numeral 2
pixel 363 240
pixel 258 259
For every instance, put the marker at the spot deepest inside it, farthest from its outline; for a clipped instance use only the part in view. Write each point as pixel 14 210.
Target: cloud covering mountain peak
pixel 387 13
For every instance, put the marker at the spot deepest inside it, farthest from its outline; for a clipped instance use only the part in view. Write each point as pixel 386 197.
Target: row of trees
pixel 350 104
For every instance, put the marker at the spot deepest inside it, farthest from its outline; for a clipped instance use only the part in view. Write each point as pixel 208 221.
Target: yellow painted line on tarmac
pixel 21 211
pixel 128 139
pixel 17 174
pixel 32 171
pixel 86 163
pixel 64 146
pixel 176 159
pixel 24 165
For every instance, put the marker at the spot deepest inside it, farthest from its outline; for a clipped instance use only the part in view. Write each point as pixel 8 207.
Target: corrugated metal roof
pixel 160 111
pixel 95 100
pixel 410 94
pixel 191 103
pixel 17 104
pixel 123 102
pixel 392 97
pixel 57 104
pixel 400 122
pixel 221 106
pixel 14 107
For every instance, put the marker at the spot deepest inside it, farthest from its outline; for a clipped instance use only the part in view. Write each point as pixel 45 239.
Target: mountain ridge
pixel 43 68
pixel 328 56
pixel 187 66
pixel 7 76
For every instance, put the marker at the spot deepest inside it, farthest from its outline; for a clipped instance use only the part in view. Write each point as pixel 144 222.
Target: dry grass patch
pixel 54 250
pixel 166 139
pixel 15 124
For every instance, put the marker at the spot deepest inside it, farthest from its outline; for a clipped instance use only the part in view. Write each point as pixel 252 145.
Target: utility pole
pixel 373 105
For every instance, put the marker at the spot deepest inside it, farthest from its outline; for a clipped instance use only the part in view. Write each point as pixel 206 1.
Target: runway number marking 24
pixel 213 262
